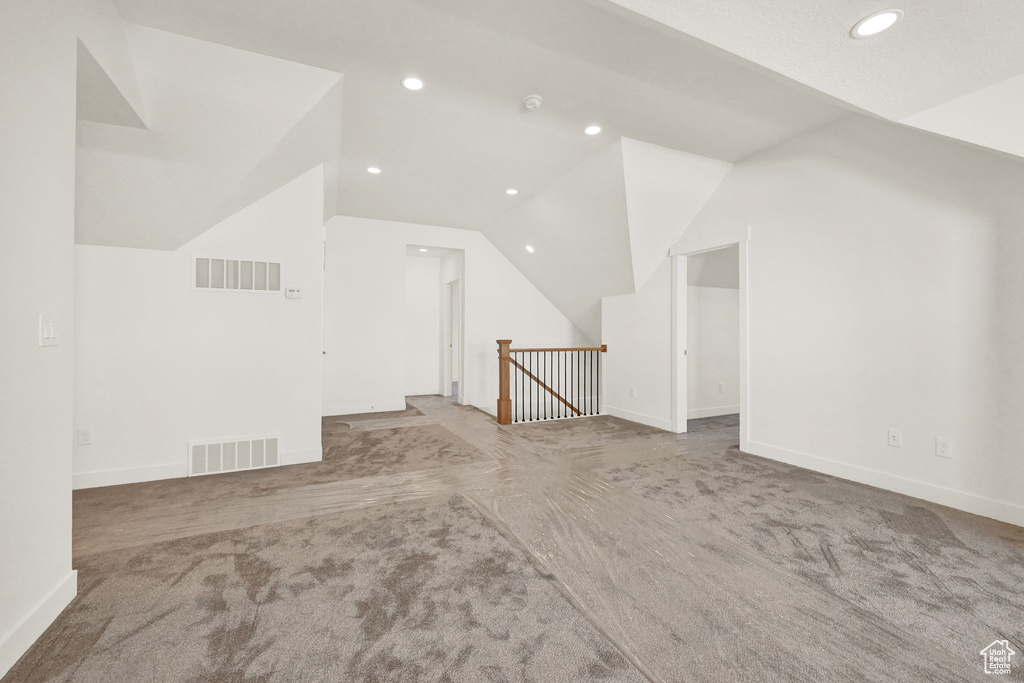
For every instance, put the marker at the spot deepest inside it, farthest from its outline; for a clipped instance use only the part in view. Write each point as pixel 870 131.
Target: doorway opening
pixel 434 321
pixel 713 339
pixel 710 333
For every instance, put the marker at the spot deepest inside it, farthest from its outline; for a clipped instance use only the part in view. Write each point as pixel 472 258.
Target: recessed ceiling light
pixel 412 83
pixel 529 248
pixel 592 130
pixel 876 23
pixel 511 190
pixel 373 169
pixel 422 249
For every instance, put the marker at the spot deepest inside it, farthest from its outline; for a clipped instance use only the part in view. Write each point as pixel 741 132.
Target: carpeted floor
pixel 433 545
pixel 411 593
pixel 348 454
pixel 954 578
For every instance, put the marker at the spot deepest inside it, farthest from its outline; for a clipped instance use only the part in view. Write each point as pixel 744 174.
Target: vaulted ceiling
pixel 198 108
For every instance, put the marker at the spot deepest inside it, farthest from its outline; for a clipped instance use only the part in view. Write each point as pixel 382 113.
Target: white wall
pixel 159 364
pixel 37 201
pixel 364 369
pixel 713 351
pixel 422 325
pixel 637 329
pixel 884 292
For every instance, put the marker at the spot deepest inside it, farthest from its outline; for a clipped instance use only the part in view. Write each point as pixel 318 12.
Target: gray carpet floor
pixel 411 593
pixel 432 544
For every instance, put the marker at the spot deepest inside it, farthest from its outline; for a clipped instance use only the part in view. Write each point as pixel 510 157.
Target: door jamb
pixel 690 247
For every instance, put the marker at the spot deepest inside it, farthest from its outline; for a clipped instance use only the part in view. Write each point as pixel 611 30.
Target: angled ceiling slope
pixel 449 151
pixel 579 230
pixel 98 98
pixel 949 67
pixel 215 115
pixel 665 190
pixel 604 228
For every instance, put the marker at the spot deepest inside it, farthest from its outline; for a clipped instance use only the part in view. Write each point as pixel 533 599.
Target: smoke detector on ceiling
pixel 533 102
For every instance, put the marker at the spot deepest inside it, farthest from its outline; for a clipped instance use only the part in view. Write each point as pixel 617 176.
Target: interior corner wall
pixel 638 331
pixel 422 325
pixel 713 351
pixel 37 212
pixel 364 304
pixel 874 257
pixel 159 364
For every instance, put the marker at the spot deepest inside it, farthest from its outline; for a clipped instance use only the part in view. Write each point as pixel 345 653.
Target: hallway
pixel 678 558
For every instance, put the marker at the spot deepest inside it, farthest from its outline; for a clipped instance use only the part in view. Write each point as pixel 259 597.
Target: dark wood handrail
pixel 603 349
pixel 545 387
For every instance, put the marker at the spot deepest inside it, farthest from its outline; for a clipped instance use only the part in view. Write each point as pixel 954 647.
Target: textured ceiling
pixel 941 50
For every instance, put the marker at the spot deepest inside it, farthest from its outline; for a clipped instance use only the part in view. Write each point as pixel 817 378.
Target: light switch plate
pixel 293 293
pixel 48 330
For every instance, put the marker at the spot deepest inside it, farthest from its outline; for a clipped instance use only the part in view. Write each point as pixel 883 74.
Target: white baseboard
pixel 129 475
pixel 19 639
pixel 356 408
pixel 1010 513
pixel 698 413
pixel 176 470
pixel 299 457
pixel 649 420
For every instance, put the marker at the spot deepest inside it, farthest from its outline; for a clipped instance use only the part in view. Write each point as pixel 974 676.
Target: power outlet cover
pixel 943 447
pixel 895 438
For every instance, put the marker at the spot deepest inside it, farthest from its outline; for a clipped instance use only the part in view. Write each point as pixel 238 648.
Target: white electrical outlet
pixel 85 437
pixel 895 438
pixel 632 392
pixel 943 447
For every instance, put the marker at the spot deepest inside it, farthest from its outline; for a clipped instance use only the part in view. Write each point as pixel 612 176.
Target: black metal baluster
pixel 598 382
pixel 558 375
pixel 586 385
pixel 515 403
pixel 538 386
pixel 590 383
pixel 583 382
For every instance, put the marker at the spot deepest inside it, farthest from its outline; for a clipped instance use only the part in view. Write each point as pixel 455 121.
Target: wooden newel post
pixel 504 372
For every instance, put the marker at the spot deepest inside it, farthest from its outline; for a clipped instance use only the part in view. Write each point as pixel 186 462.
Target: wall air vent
pixel 234 275
pixel 212 457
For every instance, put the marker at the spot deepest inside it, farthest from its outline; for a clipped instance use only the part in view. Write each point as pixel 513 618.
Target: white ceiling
pixel 214 114
pixel 449 151
pixel 941 50
pixel 685 86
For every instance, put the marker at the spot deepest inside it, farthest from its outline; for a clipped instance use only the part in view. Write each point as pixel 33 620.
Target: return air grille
pixel 234 275
pixel 211 457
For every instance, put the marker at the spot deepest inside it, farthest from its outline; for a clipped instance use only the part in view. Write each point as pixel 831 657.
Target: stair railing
pixel 548 383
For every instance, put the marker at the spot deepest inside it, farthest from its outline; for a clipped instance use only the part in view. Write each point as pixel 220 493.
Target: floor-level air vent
pixel 211 457
pixel 231 275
